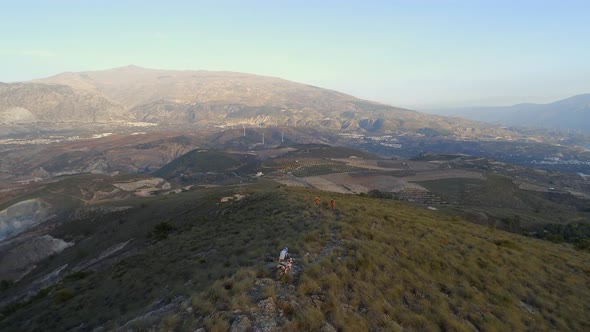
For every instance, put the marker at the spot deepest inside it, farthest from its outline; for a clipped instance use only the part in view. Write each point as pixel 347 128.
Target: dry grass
pixel 422 271
pixel 399 267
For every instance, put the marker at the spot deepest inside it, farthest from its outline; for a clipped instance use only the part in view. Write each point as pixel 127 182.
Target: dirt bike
pixel 284 267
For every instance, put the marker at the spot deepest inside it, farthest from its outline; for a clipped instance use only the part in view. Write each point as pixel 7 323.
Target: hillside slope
pixel 210 166
pixel 370 264
pixel 32 102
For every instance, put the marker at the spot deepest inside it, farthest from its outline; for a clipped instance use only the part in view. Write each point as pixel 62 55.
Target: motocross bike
pixel 284 267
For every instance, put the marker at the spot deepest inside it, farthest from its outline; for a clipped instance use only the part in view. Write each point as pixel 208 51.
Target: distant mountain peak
pixel 131 67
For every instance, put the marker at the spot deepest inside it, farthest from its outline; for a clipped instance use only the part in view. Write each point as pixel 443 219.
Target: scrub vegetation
pixel 397 267
pixel 371 264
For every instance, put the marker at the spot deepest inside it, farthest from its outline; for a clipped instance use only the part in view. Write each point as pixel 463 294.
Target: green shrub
pixel 76 276
pixel 62 295
pixel 379 194
pixel 583 245
pixel 5 284
pixel 161 230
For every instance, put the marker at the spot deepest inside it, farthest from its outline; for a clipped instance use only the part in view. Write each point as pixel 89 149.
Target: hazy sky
pixel 415 54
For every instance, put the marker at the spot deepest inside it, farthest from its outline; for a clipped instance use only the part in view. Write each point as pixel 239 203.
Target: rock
pixel 107 253
pixel 40 173
pixel 268 306
pixel 318 300
pixel 265 281
pixel 266 324
pixel 267 319
pixel 327 328
pixel 241 324
pixel 530 309
pixel 200 330
pixel 19 261
pixel 143 187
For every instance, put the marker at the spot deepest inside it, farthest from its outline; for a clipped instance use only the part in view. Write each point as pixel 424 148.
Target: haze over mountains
pixel 569 113
pixel 201 98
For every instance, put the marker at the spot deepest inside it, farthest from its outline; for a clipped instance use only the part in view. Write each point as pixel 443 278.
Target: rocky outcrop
pixel 46 281
pixel 241 324
pixel 21 216
pixel 140 184
pixel 144 187
pixel 20 260
pixel 108 253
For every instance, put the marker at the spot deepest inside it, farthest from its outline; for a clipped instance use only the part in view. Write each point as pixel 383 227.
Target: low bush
pixel 5 284
pixel 63 295
pixel 161 230
pixel 379 194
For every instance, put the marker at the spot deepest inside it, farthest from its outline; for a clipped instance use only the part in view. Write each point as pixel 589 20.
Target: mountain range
pixel 570 113
pixel 201 98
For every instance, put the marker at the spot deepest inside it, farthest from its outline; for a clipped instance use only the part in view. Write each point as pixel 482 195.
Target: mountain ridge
pixel 219 98
pixel 569 113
